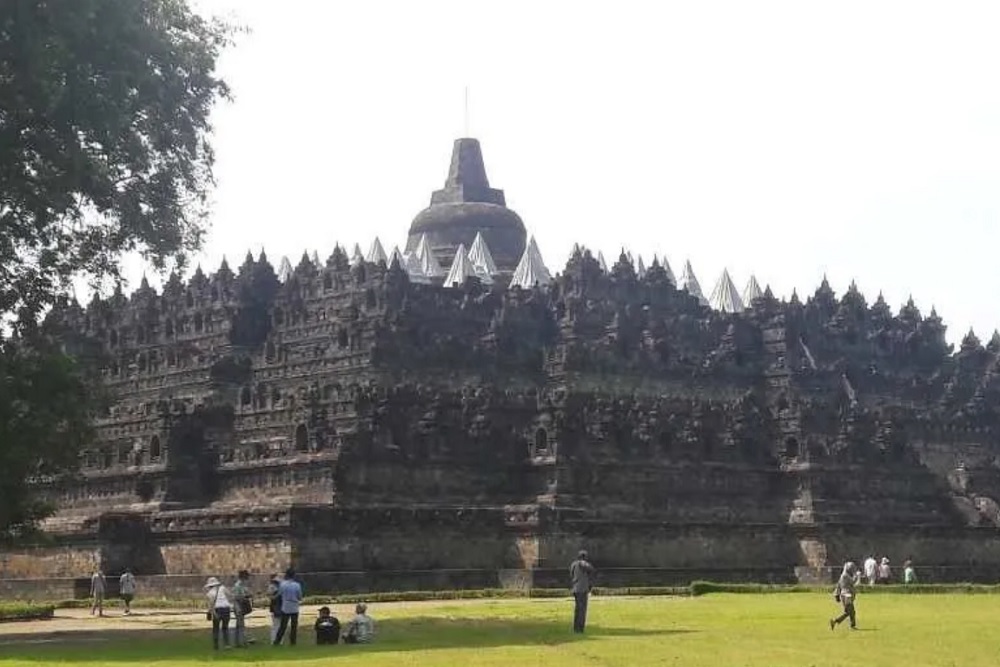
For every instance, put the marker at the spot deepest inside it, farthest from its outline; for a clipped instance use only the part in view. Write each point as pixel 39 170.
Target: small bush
pixel 25 611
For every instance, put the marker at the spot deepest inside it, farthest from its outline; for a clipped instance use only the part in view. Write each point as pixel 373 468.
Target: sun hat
pixel 212 582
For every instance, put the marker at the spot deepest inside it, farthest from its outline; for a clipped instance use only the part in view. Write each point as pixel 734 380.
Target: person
pixel 219 611
pixel 274 604
pixel 290 592
pixel 242 605
pixel 844 593
pixel 98 586
pixel 126 588
pixel 361 628
pixel 327 627
pixel 884 571
pixel 581 573
pixel 909 574
pixel 871 570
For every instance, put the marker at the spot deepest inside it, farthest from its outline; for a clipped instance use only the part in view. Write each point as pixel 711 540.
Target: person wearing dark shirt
pixel 581 574
pixel 327 627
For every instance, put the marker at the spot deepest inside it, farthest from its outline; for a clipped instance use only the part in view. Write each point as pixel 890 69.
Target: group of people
pixel 880 572
pixel 284 602
pixel 99 589
pixel 285 598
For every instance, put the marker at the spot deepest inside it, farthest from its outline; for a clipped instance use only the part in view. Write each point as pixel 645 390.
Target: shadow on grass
pixel 409 634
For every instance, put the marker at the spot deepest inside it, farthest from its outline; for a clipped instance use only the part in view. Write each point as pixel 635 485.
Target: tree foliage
pixel 104 150
pixel 104 138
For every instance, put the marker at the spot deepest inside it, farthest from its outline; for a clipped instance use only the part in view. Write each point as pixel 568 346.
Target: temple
pixel 456 415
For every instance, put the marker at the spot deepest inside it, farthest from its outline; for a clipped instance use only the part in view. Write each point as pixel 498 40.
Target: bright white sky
pixel 788 139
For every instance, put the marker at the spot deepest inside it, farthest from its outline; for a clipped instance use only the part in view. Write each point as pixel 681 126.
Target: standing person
pixel 242 605
pixel 580 573
pixel 871 570
pixel 884 571
pixel 844 593
pixel 126 588
pixel 909 574
pixel 98 586
pixel 219 611
pixel 290 592
pixel 274 604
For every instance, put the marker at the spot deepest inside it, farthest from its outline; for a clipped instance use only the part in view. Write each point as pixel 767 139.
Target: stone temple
pixel 455 415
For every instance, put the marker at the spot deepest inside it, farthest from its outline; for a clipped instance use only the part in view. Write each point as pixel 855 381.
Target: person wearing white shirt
pixel 871 569
pixel 219 611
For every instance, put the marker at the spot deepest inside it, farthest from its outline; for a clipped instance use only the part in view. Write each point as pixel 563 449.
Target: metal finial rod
pixel 466 111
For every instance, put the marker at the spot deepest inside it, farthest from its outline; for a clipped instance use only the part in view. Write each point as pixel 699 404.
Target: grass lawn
pixel 766 630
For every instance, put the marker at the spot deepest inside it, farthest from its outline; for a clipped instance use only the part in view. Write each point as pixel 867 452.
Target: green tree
pixel 104 150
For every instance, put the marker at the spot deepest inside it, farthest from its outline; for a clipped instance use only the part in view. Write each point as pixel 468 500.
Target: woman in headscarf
pixel 219 611
pixel 844 593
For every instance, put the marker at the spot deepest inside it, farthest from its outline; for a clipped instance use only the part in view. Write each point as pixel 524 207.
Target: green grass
pixel 774 630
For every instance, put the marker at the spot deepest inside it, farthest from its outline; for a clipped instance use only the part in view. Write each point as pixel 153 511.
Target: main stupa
pixel 467 205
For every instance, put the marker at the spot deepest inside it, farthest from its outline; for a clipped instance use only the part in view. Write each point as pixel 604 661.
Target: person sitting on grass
pixel 361 628
pixel 327 627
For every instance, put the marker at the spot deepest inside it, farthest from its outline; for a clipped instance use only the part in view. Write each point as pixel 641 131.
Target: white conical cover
pixel 461 268
pixel 601 263
pixel 725 297
pixel 315 259
pixel 429 266
pixel 376 254
pixel 285 269
pixel 531 269
pixel 481 257
pixel 640 268
pixel 356 256
pixel 752 292
pixel 666 269
pixel 690 283
pixel 413 268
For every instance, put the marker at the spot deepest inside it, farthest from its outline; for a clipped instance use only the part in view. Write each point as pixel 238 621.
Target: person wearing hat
pixel 884 571
pixel 219 611
pixel 844 593
pixel 581 574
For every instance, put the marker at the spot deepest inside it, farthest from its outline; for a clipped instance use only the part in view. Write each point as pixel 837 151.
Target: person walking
pixel 581 573
pixel 844 593
pixel 290 592
pixel 126 588
pixel 98 587
pixel 219 611
pixel 274 604
pixel 242 605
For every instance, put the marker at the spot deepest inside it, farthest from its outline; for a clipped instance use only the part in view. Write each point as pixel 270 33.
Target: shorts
pixel 128 597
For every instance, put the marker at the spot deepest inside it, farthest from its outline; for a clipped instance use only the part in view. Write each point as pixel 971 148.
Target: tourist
pixel 242 605
pixel 844 593
pixel 884 571
pixel 219 611
pixel 327 627
pixel 581 572
pixel 361 628
pixel 126 588
pixel 274 604
pixel 290 592
pixel 909 574
pixel 871 570
pixel 98 585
